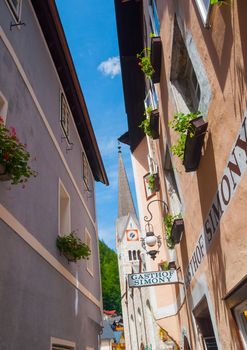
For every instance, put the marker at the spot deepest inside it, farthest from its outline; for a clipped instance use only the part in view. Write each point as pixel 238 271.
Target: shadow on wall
pixel 219 40
pixel 207 186
pixel 240 69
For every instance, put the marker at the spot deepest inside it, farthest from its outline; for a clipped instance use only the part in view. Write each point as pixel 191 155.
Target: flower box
pixel 156 52
pixel 177 230
pixel 4 176
pixel 194 143
pixel 154 182
pixel 154 123
pixel 72 247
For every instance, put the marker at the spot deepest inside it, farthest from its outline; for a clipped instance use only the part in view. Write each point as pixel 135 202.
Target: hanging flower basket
pixel 155 58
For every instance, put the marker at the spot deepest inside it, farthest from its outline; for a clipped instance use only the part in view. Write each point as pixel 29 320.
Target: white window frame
pixel 88 241
pixel 204 11
pixel 151 9
pixel 16 12
pixel 61 185
pixel 3 107
pixel 64 344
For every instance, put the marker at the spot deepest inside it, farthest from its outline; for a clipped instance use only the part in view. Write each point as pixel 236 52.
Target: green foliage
pixel 110 278
pixel 181 124
pixel 164 266
pixel 14 156
pixel 168 220
pixel 151 181
pixel 72 247
pixel 145 124
pixel 145 62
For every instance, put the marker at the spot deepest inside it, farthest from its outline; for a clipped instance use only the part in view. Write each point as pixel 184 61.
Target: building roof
pixel 107 331
pixel 129 17
pixel 52 29
pixel 125 200
pixel 110 312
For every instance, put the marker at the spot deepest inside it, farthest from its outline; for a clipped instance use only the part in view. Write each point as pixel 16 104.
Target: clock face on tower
pixel 132 235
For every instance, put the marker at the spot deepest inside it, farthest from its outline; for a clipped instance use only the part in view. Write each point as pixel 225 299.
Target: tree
pixel 110 278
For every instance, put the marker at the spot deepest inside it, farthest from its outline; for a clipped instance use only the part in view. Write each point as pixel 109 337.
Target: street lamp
pixel 151 240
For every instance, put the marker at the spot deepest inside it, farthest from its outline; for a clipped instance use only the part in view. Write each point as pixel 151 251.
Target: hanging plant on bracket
pixel 145 62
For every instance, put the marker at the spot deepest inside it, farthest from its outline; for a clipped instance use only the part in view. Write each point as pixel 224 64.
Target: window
pixel 151 100
pixel 130 255
pixel 155 23
pixel 205 326
pixel 65 117
pixel 85 171
pixel 204 9
pixel 241 317
pixel 185 86
pixel 64 211
pixel 88 241
pixel 138 255
pixel 3 106
pixel 61 344
pixel 15 7
pixel 171 184
pixel 134 255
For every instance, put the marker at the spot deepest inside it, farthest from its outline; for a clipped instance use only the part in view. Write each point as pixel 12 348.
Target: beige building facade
pixel 200 67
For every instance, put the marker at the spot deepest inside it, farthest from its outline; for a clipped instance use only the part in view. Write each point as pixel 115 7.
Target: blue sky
pixel 90 29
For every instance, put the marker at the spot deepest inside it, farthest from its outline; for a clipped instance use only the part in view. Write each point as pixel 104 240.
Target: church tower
pixel 128 247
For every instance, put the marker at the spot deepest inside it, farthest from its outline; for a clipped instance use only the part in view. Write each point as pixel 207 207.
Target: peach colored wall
pixel 222 49
pixel 163 296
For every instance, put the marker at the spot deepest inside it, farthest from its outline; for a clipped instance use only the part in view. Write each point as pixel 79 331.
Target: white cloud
pixel 107 146
pixel 110 67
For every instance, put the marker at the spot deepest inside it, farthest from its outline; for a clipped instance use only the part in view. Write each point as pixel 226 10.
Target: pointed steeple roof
pixel 125 200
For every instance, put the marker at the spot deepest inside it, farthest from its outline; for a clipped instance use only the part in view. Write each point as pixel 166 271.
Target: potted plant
pixel 145 62
pixel 150 124
pixel 191 128
pixel 72 247
pixel 214 2
pixel 14 157
pixel 164 265
pixel 153 182
pixel 174 226
pixel 155 57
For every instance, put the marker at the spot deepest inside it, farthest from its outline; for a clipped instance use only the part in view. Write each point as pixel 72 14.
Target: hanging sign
pixel 155 278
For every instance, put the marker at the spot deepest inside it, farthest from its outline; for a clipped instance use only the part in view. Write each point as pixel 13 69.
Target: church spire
pixel 125 200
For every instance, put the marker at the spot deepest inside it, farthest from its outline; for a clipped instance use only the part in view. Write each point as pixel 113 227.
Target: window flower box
pixel 177 230
pixel 14 157
pixel 4 176
pixel 153 182
pixel 193 144
pixel 154 124
pixel 72 247
pixel 174 227
pixel 150 124
pixel 155 58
